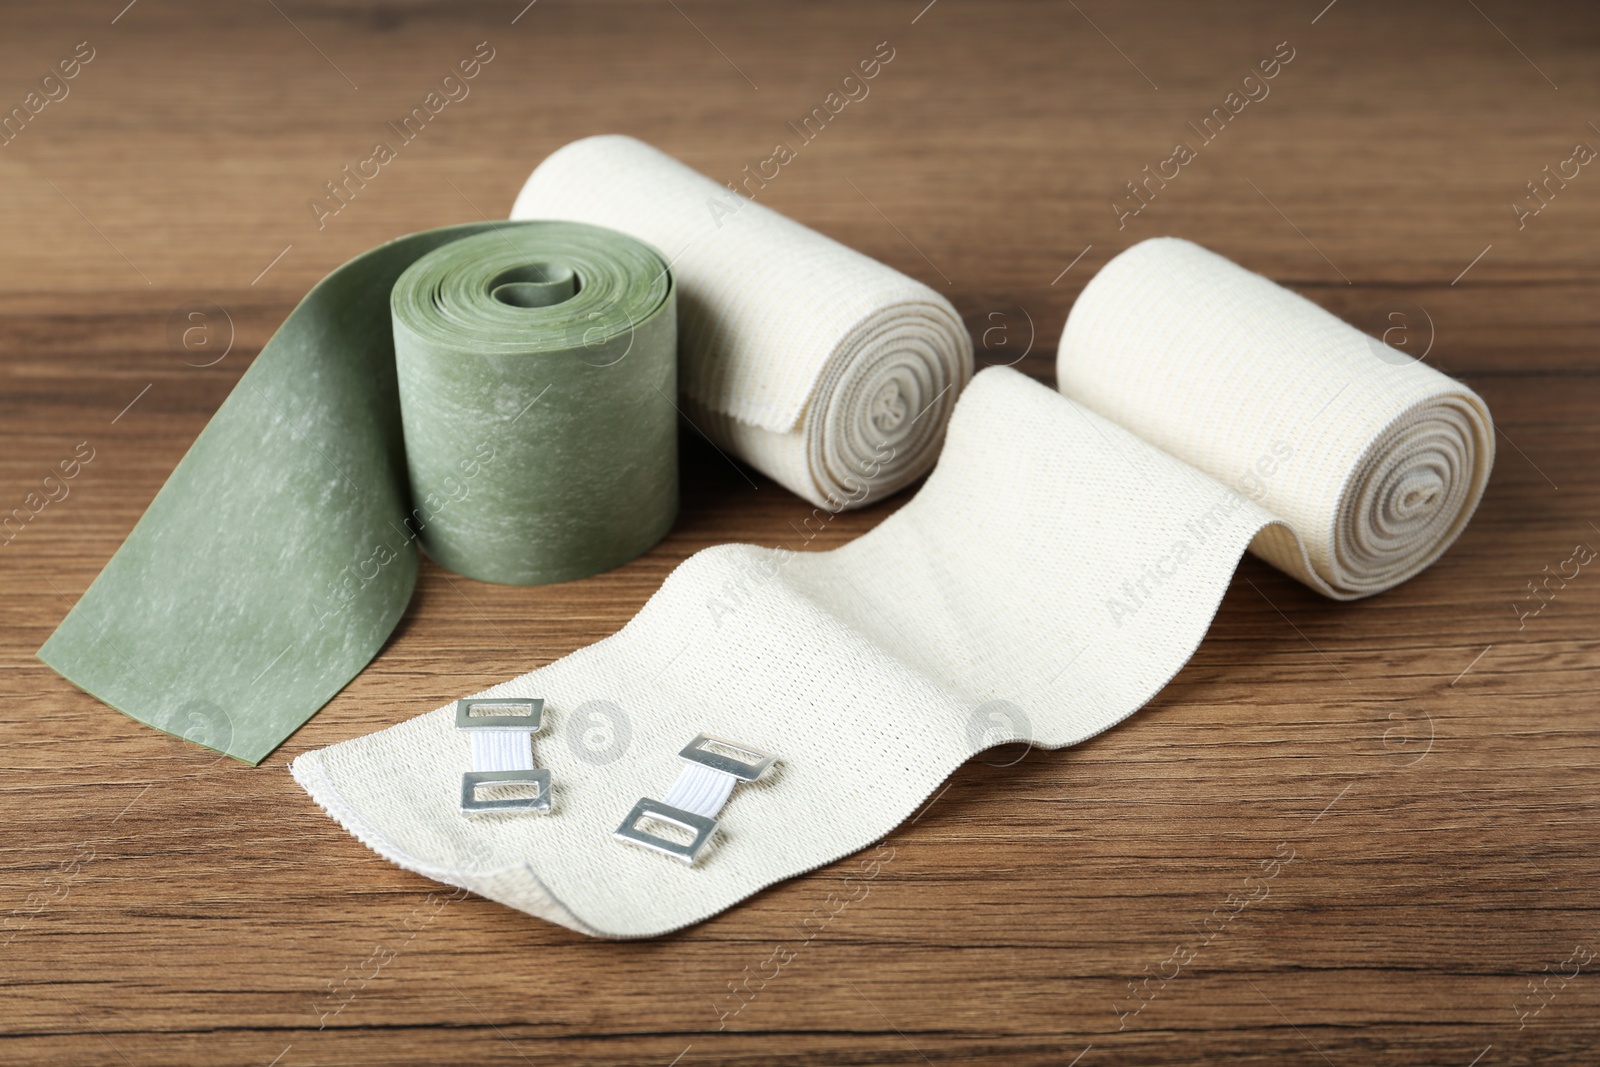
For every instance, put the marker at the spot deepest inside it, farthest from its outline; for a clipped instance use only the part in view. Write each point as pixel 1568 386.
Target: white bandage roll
pixel 1374 459
pixel 826 370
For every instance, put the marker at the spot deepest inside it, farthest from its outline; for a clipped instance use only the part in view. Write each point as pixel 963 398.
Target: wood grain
pixel 1431 767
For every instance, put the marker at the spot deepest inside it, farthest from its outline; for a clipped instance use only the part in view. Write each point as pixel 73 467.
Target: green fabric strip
pixel 500 392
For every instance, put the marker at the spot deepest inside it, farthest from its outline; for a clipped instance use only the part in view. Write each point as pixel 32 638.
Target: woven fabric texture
pixel 1062 562
pixel 826 370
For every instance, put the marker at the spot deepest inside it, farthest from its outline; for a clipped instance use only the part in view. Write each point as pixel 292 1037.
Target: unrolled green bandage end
pixel 500 392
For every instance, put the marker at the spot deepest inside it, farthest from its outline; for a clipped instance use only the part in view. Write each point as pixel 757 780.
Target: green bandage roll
pixel 501 393
pixel 536 381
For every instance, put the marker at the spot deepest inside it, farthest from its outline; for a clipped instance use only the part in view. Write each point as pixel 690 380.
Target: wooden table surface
pixel 1413 777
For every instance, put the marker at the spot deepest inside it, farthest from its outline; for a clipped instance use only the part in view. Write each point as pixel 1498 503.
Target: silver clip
pixel 513 713
pixel 699 825
pixel 739 762
pixel 505 715
pixel 539 802
pixel 725 756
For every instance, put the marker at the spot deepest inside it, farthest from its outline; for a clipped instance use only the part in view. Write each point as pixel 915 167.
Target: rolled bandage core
pixel 1411 493
pixel 877 420
pixel 535 285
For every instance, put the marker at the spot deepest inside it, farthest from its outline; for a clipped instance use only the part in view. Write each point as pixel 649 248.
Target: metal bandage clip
pixel 502 730
pixel 715 767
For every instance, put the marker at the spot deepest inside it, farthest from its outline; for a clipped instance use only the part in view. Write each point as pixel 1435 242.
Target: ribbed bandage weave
pixel 1062 562
pixel 827 370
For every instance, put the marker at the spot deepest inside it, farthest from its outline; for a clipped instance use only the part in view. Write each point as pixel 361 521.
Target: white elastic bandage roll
pixel 827 370
pixel 1062 562
pixel 1228 371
